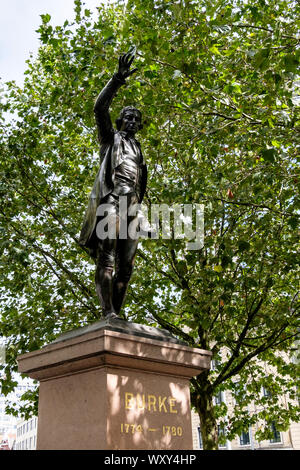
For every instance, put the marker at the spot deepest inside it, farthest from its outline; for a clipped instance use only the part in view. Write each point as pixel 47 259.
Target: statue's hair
pixel 120 118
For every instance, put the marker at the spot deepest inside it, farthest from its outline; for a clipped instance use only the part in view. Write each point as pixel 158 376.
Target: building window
pixel 219 398
pixel 267 393
pixel 276 434
pixel 221 434
pixel 245 438
pixel 215 364
pixel 200 438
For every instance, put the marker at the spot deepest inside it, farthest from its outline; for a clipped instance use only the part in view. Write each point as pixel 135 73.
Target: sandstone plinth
pixel 115 385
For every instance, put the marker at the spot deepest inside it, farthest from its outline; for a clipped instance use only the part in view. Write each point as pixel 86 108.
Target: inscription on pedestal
pixel 156 404
pixel 149 413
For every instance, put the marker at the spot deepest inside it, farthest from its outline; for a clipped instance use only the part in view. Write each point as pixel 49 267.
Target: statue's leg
pixel 126 251
pixel 125 256
pixel 104 277
pixel 104 268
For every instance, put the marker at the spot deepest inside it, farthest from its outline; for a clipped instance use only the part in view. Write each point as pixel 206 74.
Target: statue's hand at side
pixel 125 62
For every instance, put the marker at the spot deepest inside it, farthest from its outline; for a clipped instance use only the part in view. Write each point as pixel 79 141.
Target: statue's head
pixel 130 120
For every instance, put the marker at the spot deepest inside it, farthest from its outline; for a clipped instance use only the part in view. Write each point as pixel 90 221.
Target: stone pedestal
pixel 114 385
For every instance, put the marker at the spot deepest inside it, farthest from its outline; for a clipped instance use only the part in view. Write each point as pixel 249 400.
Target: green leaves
pixel 261 59
pixel 269 155
pixel 45 18
pixel 291 62
pixel 243 245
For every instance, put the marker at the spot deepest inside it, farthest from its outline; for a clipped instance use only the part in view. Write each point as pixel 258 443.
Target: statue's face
pixel 131 121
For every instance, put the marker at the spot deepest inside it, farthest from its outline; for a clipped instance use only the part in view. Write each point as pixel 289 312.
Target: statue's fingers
pixel 133 71
pixel 121 62
pixel 122 59
pixel 126 58
pixel 131 60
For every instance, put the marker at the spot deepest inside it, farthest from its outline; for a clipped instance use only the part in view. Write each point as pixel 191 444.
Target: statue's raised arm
pixel 103 102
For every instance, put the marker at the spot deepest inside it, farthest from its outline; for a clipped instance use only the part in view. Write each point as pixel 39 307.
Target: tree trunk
pixel 203 401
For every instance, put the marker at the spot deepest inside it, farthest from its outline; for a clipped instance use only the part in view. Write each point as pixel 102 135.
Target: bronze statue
pixel 122 172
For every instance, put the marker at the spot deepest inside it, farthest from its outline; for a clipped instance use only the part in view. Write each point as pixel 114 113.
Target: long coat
pixel 111 156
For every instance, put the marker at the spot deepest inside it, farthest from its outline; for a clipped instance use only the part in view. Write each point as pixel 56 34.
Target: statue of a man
pixel 122 172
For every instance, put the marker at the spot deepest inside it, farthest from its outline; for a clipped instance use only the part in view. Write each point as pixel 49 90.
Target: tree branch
pixel 251 26
pixel 271 341
pixel 239 344
pixel 43 251
pixel 88 307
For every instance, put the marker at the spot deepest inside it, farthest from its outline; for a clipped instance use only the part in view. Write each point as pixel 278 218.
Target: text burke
pixel 154 403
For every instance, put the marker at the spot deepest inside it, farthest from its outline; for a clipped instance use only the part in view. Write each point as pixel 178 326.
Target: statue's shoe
pixel 108 315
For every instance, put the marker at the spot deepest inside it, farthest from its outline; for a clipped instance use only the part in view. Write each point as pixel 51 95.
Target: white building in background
pixel 8 423
pixel 281 440
pixel 26 435
pixel 288 440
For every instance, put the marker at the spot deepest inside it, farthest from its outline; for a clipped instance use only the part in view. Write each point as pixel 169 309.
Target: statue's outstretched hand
pixel 125 62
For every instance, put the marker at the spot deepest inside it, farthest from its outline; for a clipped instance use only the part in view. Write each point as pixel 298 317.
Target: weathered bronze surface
pixel 122 172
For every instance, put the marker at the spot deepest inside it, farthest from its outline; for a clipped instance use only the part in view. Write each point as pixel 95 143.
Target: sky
pixel 18 21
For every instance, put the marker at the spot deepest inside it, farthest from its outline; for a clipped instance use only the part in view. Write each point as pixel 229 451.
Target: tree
pixel 217 86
